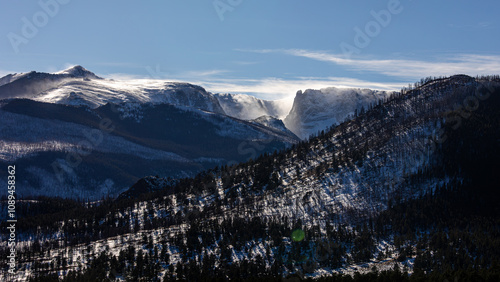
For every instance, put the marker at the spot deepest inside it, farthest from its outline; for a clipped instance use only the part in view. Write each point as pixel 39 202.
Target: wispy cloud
pixel 471 64
pixel 203 73
pixel 117 64
pixel 479 25
pixel 123 76
pixel 157 73
pixel 245 63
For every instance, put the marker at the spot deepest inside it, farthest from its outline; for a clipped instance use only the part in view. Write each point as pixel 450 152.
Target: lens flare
pixel 298 235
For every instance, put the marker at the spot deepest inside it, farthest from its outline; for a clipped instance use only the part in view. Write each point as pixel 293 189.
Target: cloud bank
pixel 470 64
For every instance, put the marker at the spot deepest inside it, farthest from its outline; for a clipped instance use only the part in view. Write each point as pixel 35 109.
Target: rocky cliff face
pixel 315 110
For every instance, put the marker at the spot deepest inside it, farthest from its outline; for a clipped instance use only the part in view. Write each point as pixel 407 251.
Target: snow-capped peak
pixel 78 71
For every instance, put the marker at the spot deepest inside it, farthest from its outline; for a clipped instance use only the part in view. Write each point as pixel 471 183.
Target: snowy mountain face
pixel 273 122
pixel 11 77
pixel 78 71
pixel 32 84
pixel 248 107
pixel 328 190
pixel 316 110
pixel 79 87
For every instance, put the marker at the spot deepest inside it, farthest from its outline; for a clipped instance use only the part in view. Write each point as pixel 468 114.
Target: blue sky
pixel 269 49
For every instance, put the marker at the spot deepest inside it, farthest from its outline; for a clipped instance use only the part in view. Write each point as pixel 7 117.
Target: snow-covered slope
pixel 11 78
pixel 99 92
pixel 72 72
pixel 78 86
pixel 315 110
pixel 273 122
pixel 248 107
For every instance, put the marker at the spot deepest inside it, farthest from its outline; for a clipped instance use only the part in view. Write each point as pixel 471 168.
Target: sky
pixel 269 49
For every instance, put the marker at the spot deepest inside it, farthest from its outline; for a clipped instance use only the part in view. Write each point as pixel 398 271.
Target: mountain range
pixel 169 129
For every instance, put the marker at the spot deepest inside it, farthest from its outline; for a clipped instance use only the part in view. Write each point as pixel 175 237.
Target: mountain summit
pixel 78 71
